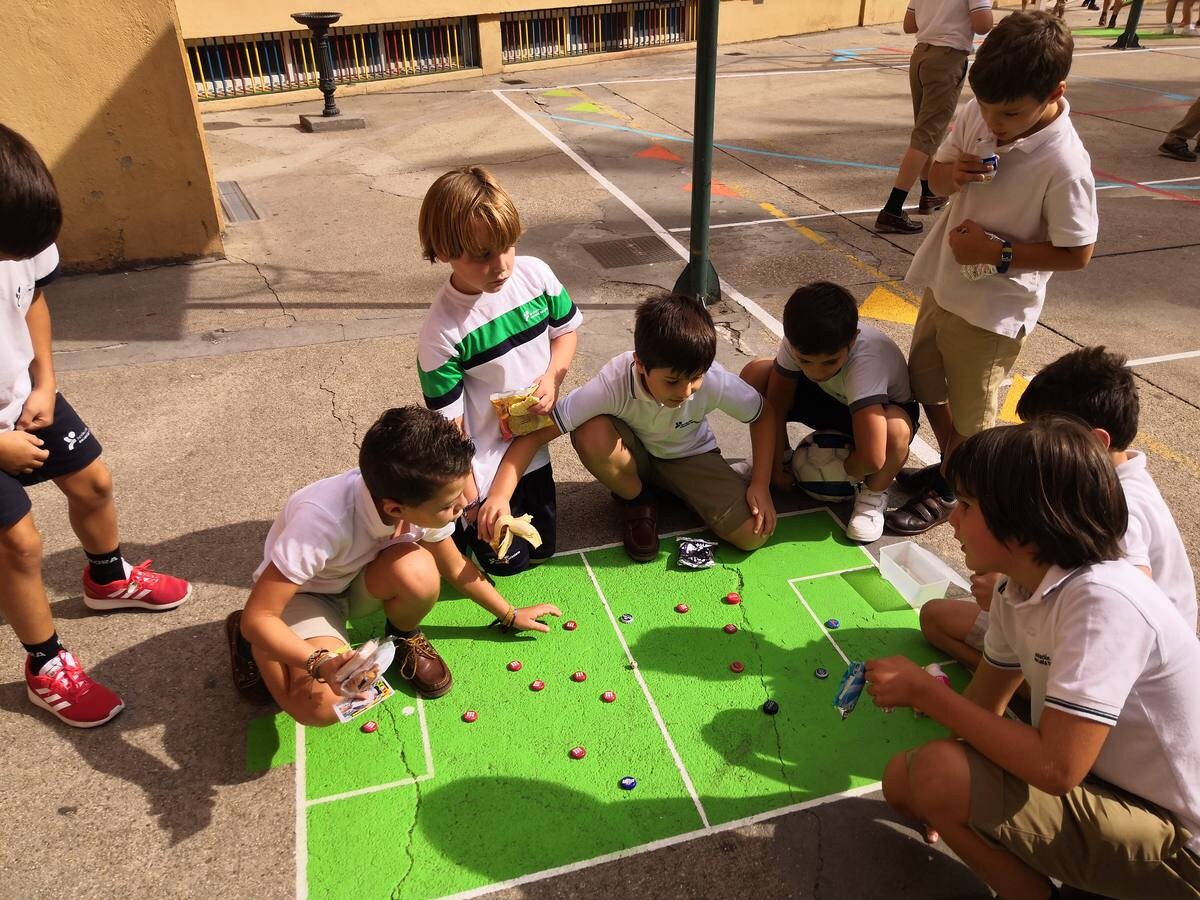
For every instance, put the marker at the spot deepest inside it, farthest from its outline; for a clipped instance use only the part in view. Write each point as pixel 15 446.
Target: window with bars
pixel 583 30
pixel 282 61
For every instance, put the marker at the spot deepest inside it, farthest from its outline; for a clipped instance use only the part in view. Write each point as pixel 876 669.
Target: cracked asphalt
pixel 221 386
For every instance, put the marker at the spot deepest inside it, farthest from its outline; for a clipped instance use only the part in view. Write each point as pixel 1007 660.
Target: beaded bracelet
pixel 313 664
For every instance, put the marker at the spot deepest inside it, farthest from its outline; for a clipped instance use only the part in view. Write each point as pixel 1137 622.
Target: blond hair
pixel 453 208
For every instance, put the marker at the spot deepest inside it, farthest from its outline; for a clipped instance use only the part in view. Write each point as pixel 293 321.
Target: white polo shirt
pixel 1103 643
pixel 1152 538
pixel 946 23
pixel 329 531
pixel 1043 191
pixel 875 371
pixel 19 281
pixel 616 390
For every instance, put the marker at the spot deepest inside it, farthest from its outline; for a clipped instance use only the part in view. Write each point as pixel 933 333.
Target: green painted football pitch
pixel 429 805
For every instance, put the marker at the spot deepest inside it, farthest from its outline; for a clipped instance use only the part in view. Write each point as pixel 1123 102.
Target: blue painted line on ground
pixel 733 147
pixel 1135 87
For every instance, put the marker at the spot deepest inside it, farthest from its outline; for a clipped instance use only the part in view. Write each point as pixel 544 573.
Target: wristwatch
pixel 1006 257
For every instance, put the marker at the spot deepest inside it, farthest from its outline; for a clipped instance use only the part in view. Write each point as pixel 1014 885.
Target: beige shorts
pixel 325 615
pixel 974 637
pixel 953 361
pixel 1096 837
pixel 705 482
pixel 935 78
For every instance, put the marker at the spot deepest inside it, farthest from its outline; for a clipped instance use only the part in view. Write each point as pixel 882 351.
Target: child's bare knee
pixel 895 782
pixel 931 616
pixel 317 716
pixel 593 438
pixel 21 548
pixel 938 776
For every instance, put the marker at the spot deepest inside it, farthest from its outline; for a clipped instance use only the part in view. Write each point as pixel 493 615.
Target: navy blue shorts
pixel 72 447
pixel 535 495
pixel 821 411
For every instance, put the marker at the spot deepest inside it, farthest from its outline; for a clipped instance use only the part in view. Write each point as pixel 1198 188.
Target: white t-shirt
pixel 875 371
pixel 1103 643
pixel 616 390
pixel 1043 191
pixel 329 531
pixel 946 23
pixel 474 345
pixel 19 281
pixel 1152 538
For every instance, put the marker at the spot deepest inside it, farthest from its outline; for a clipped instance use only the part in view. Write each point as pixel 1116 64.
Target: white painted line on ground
pixel 301 818
pixel 774 219
pixel 1137 184
pixel 1170 357
pixel 820 624
pixel 637 673
pixel 668 842
pixel 794 581
pixel 920 448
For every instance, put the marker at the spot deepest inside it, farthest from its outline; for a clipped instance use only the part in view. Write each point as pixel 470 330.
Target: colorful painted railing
pixel 284 61
pixel 581 30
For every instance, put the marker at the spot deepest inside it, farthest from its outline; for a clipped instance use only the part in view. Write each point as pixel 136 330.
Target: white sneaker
pixel 1170 29
pixel 1191 29
pixel 743 468
pixel 866 520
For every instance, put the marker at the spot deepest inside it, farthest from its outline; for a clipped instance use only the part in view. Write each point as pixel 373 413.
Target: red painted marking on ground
pixel 1153 190
pixel 718 189
pixel 1101 112
pixel 656 152
pixel 895 50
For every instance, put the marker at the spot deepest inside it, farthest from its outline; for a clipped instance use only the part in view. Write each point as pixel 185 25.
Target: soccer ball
pixel 818 466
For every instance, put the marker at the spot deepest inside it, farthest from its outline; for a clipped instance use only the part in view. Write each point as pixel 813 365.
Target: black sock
pixel 944 488
pixel 40 654
pixel 895 204
pixel 393 631
pixel 106 568
pixel 925 191
pixel 641 499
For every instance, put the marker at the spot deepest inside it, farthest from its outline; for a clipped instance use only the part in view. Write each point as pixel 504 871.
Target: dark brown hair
pixel 1047 484
pixel 821 317
pixel 673 331
pixel 1027 54
pixel 1092 384
pixel 410 452
pixel 30 213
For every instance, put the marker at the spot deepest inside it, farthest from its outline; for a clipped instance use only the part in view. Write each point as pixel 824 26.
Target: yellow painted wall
pixel 746 20
pixel 101 90
pixel 881 12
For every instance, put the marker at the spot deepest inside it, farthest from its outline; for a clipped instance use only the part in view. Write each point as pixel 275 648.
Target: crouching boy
pixel 642 421
pixel 344 547
pixel 1101 792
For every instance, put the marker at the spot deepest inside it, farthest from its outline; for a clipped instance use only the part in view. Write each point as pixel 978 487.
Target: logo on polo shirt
pixel 688 423
pixel 1041 659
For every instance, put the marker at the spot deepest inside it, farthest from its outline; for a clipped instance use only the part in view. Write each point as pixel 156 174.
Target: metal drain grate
pixel 630 252
pixel 234 204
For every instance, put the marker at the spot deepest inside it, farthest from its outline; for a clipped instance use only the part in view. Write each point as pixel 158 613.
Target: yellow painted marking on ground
pixel 883 304
pixel 894 287
pixel 1008 413
pixel 1152 445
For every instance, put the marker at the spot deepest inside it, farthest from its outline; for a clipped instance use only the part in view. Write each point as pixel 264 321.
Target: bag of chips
pixel 512 409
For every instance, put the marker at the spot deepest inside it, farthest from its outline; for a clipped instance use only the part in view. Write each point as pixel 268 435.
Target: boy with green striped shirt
pixel 501 324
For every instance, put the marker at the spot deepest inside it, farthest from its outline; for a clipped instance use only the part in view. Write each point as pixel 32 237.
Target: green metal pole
pixel 698 278
pixel 1129 39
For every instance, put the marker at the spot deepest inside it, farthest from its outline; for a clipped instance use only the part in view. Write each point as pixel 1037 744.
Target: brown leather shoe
pixel 421 666
pixel 930 203
pixel 917 481
pixel 920 513
pixel 246 677
pixel 641 532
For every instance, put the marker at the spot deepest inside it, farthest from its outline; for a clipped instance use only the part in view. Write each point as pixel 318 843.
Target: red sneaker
pixel 65 689
pixel 143 588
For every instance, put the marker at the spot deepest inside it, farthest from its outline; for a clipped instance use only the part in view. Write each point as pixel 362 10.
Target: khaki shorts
pixel 935 78
pixel 325 615
pixel 974 637
pixel 1096 837
pixel 705 482
pixel 955 361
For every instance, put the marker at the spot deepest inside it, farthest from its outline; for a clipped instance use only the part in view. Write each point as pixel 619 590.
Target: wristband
pixel 1006 257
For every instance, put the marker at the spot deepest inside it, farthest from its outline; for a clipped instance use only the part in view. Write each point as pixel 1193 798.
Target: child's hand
pixel 895 681
pixel 485 522
pixel 969 169
pixel 762 507
pixel 38 411
pixel 526 618
pixel 971 245
pixel 546 391
pixel 332 665
pixel 982 588
pixel 21 452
